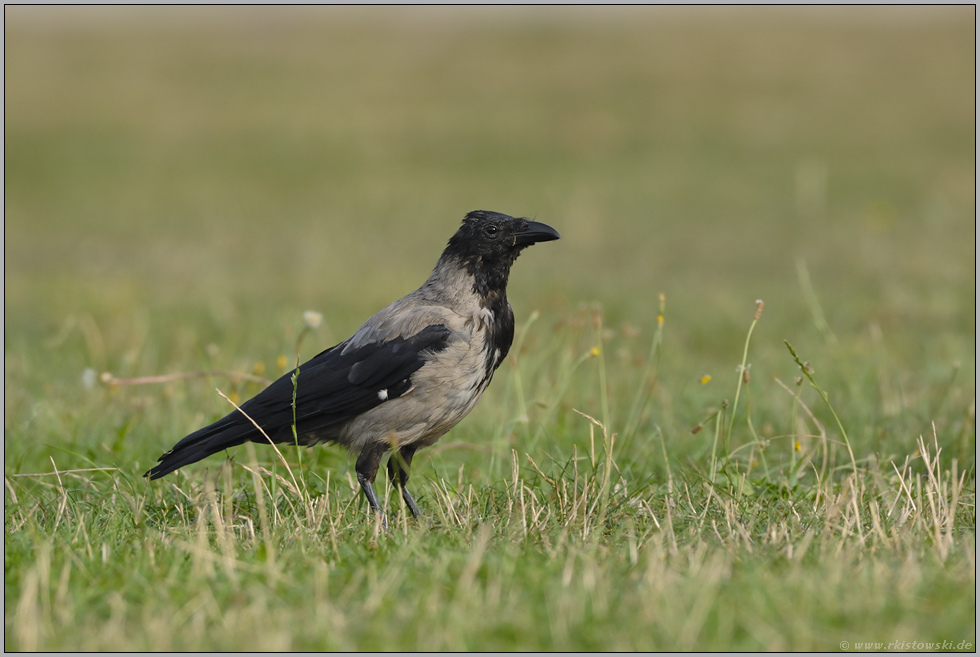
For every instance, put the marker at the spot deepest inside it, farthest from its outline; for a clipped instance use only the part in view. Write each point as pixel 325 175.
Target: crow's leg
pixel 367 469
pixel 398 470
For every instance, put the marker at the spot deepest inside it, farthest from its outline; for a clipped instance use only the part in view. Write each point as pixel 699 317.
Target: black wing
pixel 331 388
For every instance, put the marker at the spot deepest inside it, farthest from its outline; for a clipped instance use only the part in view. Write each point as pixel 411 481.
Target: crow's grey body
pixel 446 388
pixel 406 377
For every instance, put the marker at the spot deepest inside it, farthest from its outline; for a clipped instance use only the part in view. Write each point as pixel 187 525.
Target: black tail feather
pixel 223 434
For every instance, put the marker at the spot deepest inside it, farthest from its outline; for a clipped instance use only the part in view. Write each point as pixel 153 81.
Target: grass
pixel 652 468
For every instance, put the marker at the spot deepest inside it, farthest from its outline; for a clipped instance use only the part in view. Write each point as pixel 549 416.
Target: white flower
pixel 312 319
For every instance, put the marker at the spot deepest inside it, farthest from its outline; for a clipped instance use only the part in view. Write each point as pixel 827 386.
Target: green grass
pixel 178 193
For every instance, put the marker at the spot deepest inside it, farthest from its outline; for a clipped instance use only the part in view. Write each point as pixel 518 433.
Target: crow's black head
pixel 492 239
pixel 487 244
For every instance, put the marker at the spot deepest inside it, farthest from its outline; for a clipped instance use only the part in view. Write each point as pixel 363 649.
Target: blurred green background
pixel 177 178
pixel 181 184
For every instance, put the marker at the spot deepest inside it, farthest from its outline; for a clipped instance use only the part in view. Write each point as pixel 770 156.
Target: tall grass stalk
pixel 743 367
pixel 810 295
pixel 301 491
pixel 650 370
pixel 807 371
pixel 608 436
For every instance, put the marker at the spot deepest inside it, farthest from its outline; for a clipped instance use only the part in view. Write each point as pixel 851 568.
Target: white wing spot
pixel 383 394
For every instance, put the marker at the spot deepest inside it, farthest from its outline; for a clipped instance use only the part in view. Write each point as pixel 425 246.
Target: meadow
pixel 663 463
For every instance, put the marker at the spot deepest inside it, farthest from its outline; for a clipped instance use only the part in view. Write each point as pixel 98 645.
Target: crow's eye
pixel 491 231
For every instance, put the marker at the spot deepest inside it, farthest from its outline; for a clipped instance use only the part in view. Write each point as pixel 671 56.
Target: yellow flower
pixel 595 351
pixel 705 379
pixel 282 363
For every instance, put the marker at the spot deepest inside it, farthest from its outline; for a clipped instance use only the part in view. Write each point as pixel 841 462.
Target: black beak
pixel 535 232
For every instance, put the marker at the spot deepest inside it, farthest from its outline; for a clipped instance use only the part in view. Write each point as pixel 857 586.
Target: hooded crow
pixel 406 377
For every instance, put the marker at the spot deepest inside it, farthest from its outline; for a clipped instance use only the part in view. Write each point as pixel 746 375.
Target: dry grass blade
pixel 304 496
